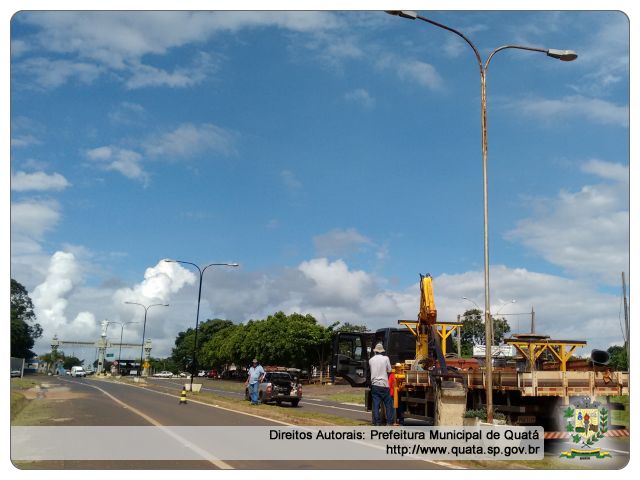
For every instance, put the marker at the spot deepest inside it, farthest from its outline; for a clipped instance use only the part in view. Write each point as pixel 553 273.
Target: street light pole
pixel 122 324
pixel 194 361
pixel 144 327
pixel 564 55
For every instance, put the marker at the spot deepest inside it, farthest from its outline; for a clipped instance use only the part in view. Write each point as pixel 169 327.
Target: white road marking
pixel 436 462
pixel 203 453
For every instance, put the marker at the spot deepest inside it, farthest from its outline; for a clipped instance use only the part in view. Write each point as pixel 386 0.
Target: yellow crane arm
pixel 428 313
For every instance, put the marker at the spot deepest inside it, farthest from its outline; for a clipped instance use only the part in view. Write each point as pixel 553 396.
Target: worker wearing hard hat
pixel 380 367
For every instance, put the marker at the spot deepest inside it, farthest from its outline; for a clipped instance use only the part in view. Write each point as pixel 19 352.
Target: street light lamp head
pixel 233 264
pixel 168 260
pixel 564 55
pixel 411 15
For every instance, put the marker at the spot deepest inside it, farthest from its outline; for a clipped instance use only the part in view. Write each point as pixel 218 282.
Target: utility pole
pixel 626 320
pixel 533 320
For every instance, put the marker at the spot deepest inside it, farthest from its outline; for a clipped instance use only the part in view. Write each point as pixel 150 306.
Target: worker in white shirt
pixel 380 367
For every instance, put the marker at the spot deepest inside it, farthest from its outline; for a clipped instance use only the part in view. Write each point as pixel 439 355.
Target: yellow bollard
pixel 183 396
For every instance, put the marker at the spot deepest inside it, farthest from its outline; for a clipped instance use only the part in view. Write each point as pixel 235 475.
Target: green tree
pixel 160 364
pixel 183 350
pixel 294 340
pixel 348 327
pixel 473 331
pixel 24 330
pixel 618 358
pixel 71 361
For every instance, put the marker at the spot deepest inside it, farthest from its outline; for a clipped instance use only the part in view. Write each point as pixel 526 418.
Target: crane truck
pixel 438 386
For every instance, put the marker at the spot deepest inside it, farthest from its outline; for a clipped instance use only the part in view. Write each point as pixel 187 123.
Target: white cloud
pixel 333 282
pixel 25 140
pixel 159 283
pixel 150 76
pixel 594 110
pixel 21 181
pixel 339 242
pixel 331 291
pixel 564 308
pixel 50 297
pixel 118 41
pixel 32 218
pixel 605 55
pixel 607 170
pixel 185 141
pixel 189 140
pixel 361 97
pixel 127 113
pixel 46 73
pixel 420 72
pixel 585 232
pixel 125 161
pixel 290 180
pixel 414 71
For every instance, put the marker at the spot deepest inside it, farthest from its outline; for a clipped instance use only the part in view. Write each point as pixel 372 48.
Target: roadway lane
pixel 164 409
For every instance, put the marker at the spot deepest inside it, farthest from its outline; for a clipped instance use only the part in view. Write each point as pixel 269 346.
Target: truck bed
pixel 540 383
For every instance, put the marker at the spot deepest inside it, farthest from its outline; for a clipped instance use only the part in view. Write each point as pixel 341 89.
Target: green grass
pixel 25 383
pixel 346 397
pixel 18 402
pixel 619 417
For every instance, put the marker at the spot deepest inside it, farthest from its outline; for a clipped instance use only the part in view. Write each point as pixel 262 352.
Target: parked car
pixel 163 374
pixel 78 372
pixel 184 375
pixel 278 387
pixel 213 374
pixel 202 373
pixel 15 373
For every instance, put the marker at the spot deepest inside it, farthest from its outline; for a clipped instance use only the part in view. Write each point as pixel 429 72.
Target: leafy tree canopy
pixel 473 330
pixel 618 358
pixel 24 330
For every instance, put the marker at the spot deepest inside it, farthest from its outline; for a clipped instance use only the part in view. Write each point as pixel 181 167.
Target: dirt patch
pixel 53 393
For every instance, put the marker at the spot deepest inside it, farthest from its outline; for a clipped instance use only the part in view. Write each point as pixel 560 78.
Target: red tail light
pixel 299 390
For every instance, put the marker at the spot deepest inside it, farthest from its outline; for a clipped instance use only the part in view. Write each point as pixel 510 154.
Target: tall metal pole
pixel 627 342
pixel 533 320
pixel 144 327
pixel 194 359
pixel 120 349
pixel 565 55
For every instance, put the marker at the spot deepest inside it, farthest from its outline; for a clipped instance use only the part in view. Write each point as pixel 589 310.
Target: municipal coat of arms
pixel 587 426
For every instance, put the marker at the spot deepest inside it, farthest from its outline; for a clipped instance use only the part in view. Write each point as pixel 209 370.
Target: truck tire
pixel 294 403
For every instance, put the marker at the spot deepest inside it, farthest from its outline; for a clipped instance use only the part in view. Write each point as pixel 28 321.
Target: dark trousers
pixel 381 395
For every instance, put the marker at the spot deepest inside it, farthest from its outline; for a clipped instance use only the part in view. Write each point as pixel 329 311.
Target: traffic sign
pixel 109 355
pixel 146 364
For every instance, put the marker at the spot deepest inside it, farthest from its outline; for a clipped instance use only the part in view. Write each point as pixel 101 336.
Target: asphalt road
pixel 353 412
pixel 97 403
pixel 103 403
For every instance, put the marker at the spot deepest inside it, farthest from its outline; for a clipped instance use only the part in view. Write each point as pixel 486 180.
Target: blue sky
pixel 334 155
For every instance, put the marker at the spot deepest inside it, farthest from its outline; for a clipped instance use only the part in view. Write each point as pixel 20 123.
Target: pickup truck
pixel 278 387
